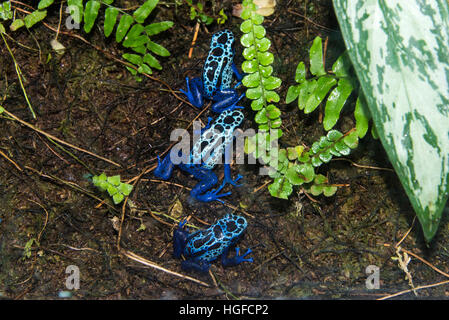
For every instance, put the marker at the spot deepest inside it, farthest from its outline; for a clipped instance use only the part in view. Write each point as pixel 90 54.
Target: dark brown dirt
pixel 301 249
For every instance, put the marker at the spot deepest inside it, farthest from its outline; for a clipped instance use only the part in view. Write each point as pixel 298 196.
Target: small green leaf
pixel 362 116
pixel 275 123
pixel 134 38
pixel 251 80
pixel 115 180
pixel 133 58
pixel 246 26
pixel 352 140
pixel 329 190
pixel 158 49
pixel 123 26
pixel 272 111
pixel 263 44
pixel 261 116
pixel 323 85
pixel 254 93
pixel 16 24
pixel 335 102
pixel 117 198
pixel 334 135
pixel 316 58
pixel 34 17
pixel 247 40
pixel 300 74
pixel 265 58
pixel 44 4
pixel 158 27
pixel 256 18
pixel 316 189
pixel 266 71
pixel 293 177
pixel 280 188
pixel 342 148
pixel 152 61
pixel 144 68
pixel 111 190
pixel 292 94
pixel 249 53
pixel 271 96
pixel 144 10
pixel 342 66
pixel 307 171
pixel 305 90
pixel 271 83
pixel 250 66
pixel 325 156
pixel 110 18
pixel 259 31
pixel 90 14
pixel 257 104
pixel 125 189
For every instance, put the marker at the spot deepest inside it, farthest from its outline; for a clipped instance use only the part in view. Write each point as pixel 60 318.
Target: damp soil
pixel 52 217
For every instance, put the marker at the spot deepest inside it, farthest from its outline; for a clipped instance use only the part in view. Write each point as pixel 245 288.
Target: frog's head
pixel 234 225
pixel 223 38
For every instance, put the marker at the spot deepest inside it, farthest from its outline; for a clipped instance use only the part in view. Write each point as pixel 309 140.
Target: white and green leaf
pixel 399 50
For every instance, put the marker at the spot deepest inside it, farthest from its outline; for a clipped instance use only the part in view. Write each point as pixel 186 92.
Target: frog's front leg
pixel 164 168
pixel 227 169
pixel 237 74
pixel 237 259
pixel 194 92
pixel 226 99
pixel 207 180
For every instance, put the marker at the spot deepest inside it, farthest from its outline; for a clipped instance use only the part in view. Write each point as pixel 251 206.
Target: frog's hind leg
pixel 207 180
pixel 194 92
pixel 237 259
pixel 195 265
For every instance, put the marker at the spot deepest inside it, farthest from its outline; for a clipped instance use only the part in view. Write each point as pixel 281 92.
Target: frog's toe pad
pixel 212 196
pixel 241 258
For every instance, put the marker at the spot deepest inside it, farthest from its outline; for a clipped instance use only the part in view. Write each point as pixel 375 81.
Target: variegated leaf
pixel 400 51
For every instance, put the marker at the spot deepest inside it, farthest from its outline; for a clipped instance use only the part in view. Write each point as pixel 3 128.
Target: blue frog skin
pixel 207 151
pixel 204 246
pixel 215 140
pixel 216 81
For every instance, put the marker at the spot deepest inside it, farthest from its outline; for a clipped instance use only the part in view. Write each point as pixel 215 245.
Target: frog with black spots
pixel 204 246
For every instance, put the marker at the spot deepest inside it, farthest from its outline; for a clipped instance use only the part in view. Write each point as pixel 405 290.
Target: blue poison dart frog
pixel 215 83
pixel 204 246
pixel 215 139
pixel 214 142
